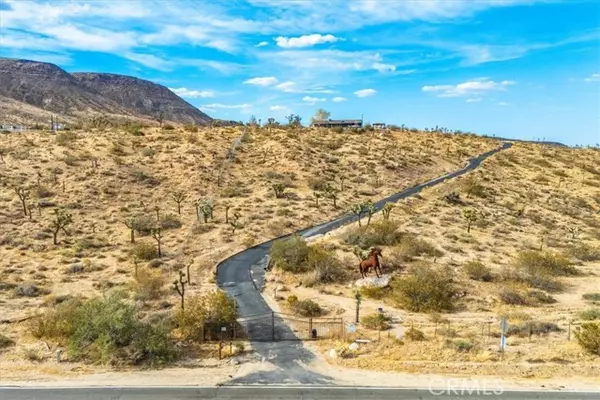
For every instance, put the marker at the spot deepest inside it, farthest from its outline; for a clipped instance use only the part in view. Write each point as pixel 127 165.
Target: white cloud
pixel 229 106
pixel 365 92
pixel 288 86
pixel 262 81
pixel 149 60
pixel 502 103
pixel 185 92
pixel 381 67
pixel 305 40
pixel 278 108
pixel 310 99
pixel 262 44
pixel 338 99
pixel 476 86
pixel 474 100
pixel 593 78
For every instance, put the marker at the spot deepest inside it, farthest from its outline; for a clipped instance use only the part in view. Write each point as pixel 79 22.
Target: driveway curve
pixel 243 274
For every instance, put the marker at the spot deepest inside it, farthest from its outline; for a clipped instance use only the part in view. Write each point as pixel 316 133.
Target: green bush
pixel 148 152
pixel 512 297
pixel 376 321
pixel 5 341
pixel 411 246
pixel 414 335
pixel 588 337
pixel 461 345
pixel 539 297
pixel 327 267
pixel 542 263
pixel 590 314
pixel 148 285
pixel 144 251
pixel 65 138
pixel 532 327
pixel 107 331
pixel 305 308
pixel 170 221
pixel 591 296
pixel 290 254
pixel 584 252
pixel 425 289
pixel 203 312
pixel 476 270
pixel 382 233
pixel 30 290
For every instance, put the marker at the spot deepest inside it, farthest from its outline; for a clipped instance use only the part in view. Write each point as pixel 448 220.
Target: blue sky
pixel 518 68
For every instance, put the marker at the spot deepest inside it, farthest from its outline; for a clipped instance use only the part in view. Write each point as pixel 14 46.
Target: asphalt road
pixel 242 276
pixel 273 393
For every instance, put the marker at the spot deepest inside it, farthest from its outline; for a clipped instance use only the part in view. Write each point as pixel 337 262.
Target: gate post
pixel 233 329
pixel 310 325
pixel 273 325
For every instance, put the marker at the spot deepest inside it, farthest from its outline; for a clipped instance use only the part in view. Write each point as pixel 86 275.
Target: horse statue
pixel 372 261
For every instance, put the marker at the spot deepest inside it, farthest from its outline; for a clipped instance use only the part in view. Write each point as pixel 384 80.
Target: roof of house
pixel 338 121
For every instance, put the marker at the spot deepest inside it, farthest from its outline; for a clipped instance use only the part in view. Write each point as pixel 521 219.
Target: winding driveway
pixel 242 276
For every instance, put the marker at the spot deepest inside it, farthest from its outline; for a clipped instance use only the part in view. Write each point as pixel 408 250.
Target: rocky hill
pixel 49 88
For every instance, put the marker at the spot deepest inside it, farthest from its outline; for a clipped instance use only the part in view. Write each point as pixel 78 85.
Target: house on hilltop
pixel 338 123
pixel 379 125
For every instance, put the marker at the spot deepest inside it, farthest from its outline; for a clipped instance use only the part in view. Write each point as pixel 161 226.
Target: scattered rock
pixel 381 282
pixel 333 354
pixel 353 346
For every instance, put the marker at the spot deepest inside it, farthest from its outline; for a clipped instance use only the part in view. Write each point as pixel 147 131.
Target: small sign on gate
pixel 223 329
pixel 351 328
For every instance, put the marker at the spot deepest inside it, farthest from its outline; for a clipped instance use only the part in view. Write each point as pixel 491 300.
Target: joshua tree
pixel 573 230
pixel 60 222
pixel 157 235
pixel 205 207
pixel 178 197
pixel 157 210
pixel 235 222
pixel 342 179
pixel 471 216
pixel 131 222
pixel 187 268
pixel 332 193
pixel 358 210
pixel 279 189
pixel 317 195
pixel 369 207
pixel 30 207
pixel 23 196
pixel 179 286
pixel 227 206
pixel 387 209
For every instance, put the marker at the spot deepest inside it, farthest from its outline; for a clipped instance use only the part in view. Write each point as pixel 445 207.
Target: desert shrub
pixel 170 221
pixel 461 345
pixel 411 246
pixel 305 308
pixel 33 354
pixel 105 330
pixel 65 138
pixel 590 314
pixel 584 252
pixel 414 335
pixel 290 254
pixel 376 321
pixel 425 289
pixel 148 285
pixel 588 337
pixel 200 228
pixel 5 341
pixel 43 192
pixel 144 251
pixel 591 296
pixel 144 224
pixel 526 328
pixel 168 127
pixel 512 297
pixel 374 292
pixel 148 152
pixel 382 233
pixel 203 312
pixel 318 184
pixel 478 271
pixel 542 263
pixel 143 177
pixel 30 290
pixel 190 128
pixel 327 267
pixel 540 297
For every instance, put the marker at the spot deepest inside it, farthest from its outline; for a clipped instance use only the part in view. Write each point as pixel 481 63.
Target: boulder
pixel 381 282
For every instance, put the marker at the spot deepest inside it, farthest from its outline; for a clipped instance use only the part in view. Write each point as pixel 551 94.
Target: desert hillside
pixel 518 238
pixel 44 89
pixel 104 181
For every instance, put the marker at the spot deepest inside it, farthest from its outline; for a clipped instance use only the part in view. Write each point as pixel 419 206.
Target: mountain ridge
pixel 48 87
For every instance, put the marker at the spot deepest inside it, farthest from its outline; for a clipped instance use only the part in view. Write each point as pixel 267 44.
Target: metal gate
pixel 275 327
